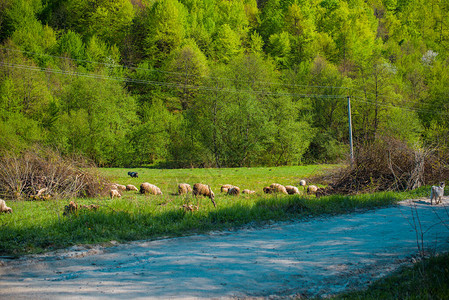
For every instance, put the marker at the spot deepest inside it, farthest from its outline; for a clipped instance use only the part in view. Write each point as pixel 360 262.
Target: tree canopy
pixel 221 83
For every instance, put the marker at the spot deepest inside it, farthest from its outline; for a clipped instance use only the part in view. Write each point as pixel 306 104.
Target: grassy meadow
pixel 245 178
pixel 39 226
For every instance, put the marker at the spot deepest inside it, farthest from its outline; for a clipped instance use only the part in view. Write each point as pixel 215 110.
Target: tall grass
pixel 427 279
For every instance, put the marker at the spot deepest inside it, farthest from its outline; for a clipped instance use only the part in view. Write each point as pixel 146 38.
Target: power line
pixel 208 88
pixel 373 102
pixel 188 75
pixel 173 73
pixel 168 84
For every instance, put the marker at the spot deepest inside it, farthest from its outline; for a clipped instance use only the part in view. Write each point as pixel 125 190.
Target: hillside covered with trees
pixel 221 82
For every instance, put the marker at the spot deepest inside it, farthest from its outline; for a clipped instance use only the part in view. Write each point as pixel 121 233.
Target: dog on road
pixel 436 193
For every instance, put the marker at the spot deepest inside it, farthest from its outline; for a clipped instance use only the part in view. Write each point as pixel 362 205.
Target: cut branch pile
pixel 44 174
pixel 388 165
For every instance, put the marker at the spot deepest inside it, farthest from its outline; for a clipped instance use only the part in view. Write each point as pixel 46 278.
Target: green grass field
pixel 245 178
pixel 39 226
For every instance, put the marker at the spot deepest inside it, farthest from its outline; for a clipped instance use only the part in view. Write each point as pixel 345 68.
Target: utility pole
pixel 351 149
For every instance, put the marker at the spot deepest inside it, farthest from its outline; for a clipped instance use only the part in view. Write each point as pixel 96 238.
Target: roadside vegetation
pixel 427 279
pixel 39 226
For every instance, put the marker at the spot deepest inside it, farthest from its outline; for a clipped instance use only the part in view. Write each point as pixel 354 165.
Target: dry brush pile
pixel 42 174
pixel 388 165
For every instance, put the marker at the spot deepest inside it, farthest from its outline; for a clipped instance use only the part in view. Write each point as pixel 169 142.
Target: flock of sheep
pixel 200 189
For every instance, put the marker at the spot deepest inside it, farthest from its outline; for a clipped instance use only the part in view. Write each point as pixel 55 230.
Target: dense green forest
pixel 221 82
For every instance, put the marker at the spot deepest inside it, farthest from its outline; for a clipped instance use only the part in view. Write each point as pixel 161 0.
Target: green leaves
pixel 70 44
pixel 185 69
pixel 244 122
pixel 165 29
pixel 227 44
pixel 235 82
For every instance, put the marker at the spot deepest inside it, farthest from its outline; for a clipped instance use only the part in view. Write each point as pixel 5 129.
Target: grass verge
pixel 427 279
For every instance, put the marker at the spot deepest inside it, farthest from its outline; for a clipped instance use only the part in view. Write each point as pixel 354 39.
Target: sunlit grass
pixel 245 178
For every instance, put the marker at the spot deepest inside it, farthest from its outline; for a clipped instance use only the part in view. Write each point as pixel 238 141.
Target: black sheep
pixel 133 174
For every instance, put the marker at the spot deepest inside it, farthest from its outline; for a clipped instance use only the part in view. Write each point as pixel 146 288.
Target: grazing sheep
pixel 190 207
pixel 120 187
pixel 93 207
pixel 311 189
pixel 148 188
pixel 4 208
pixel 133 174
pixel 278 188
pixel 302 183
pixel 131 187
pixel 322 192
pixel 246 191
pixel 42 194
pixel 267 190
pixel 114 193
pixel 225 188
pixel 70 209
pixel 234 191
pixel 73 208
pixel 291 190
pixel 204 190
pixel 184 188
pixel 437 192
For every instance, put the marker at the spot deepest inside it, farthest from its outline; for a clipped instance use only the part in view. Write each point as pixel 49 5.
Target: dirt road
pixel 316 257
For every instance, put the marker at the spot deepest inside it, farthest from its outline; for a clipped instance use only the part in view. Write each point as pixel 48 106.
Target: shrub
pixel 388 164
pixel 23 175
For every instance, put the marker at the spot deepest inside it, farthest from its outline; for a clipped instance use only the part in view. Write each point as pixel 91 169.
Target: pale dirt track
pixel 315 257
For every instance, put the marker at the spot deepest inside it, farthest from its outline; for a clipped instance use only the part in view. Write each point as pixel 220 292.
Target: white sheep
pixel 114 193
pixel 148 188
pixel 4 208
pixel 291 190
pixel 278 188
pixel 131 187
pixel 267 190
pixel 311 189
pixel 189 207
pixel 41 192
pixel 120 187
pixel 436 192
pixel 204 190
pixel 234 191
pixel 184 188
pixel 72 208
pixel 246 191
pixel 225 188
pixel 302 183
